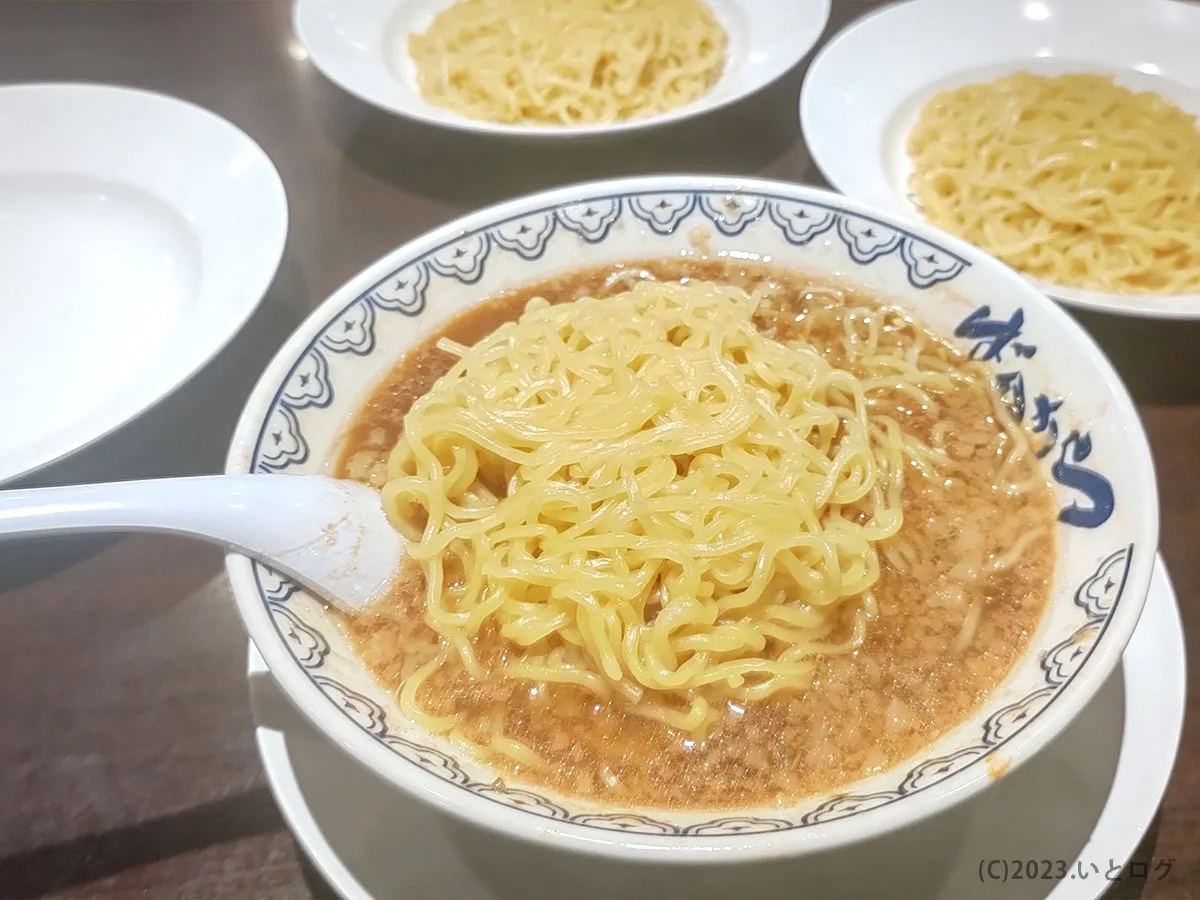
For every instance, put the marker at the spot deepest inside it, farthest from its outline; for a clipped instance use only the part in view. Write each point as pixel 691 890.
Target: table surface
pixel 127 761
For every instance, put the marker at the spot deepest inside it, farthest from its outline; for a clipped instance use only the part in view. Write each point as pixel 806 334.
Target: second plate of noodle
pixel 1059 136
pixel 555 69
pixel 1072 179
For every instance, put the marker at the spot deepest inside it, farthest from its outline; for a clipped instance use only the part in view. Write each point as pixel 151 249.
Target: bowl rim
pixel 296 683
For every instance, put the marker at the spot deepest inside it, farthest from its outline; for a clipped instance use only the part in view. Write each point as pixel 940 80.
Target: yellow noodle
pixel 647 495
pixel 1074 180
pixel 1004 561
pixel 970 623
pixel 568 62
pixel 411 706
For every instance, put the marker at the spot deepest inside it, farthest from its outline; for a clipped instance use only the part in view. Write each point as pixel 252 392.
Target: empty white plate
pixel 137 235
pixel 361 46
pixel 865 88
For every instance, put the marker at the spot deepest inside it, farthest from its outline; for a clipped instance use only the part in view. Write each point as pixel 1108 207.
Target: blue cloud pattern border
pixel 281 445
pixel 1098 596
pixel 465 258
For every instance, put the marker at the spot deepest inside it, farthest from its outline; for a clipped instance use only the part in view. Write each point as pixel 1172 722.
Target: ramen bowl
pixel 1090 443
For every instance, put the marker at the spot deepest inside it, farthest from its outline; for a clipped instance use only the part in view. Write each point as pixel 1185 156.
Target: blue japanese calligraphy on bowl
pixel 1054 379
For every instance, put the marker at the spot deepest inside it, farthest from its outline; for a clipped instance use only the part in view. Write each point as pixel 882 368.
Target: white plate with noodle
pixel 1058 135
pixel 782 525
pixel 544 68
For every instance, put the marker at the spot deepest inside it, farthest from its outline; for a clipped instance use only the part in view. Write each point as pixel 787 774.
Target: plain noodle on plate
pixel 698 534
pixel 1072 179
pixel 568 62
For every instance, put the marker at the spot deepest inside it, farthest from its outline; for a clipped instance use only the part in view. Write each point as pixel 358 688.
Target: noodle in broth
pixel 960 586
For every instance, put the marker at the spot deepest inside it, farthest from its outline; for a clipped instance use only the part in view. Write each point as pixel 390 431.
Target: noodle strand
pixel 1074 180
pixel 568 62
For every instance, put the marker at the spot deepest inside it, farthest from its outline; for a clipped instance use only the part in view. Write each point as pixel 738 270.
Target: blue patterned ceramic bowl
pixel 1094 451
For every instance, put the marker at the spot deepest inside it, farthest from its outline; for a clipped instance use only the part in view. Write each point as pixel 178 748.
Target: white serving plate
pixel 1087 798
pixel 137 235
pixel 361 46
pixel 866 87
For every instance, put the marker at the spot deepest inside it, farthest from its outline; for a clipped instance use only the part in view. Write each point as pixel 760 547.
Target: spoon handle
pixel 214 507
pixel 331 535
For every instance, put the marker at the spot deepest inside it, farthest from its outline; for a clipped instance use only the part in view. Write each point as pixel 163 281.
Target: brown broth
pixel 862 713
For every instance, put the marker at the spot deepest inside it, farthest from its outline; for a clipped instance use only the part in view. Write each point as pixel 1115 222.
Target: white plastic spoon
pixel 329 536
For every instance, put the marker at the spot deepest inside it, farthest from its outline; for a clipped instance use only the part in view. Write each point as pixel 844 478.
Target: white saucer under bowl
pixel 137 235
pixel 866 87
pixel 1085 801
pixel 361 46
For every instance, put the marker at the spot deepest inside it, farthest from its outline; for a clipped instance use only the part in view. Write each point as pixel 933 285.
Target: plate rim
pixel 1100 302
pixel 1114 818
pixel 537 133
pixel 259 281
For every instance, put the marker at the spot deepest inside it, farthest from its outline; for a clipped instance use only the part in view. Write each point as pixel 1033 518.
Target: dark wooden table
pixel 127 764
